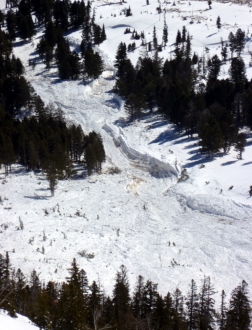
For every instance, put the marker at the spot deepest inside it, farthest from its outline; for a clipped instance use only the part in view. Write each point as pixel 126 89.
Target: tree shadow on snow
pixel 157 124
pixel 248 163
pixel 229 163
pixel 113 103
pixel 122 122
pixel 38 197
pixel 167 136
pixel 197 159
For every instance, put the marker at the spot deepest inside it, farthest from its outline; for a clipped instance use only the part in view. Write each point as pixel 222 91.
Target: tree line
pixel 78 305
pixel 186 89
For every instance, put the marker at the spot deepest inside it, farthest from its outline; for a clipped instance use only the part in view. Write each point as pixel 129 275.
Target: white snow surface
pixel 167 231
pixel 18 323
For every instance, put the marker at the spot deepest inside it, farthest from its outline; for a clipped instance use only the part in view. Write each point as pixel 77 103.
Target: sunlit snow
pixel 167 231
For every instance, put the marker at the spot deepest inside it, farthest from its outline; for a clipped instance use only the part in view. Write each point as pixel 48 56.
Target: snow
pixel 18 323
pixel 167 231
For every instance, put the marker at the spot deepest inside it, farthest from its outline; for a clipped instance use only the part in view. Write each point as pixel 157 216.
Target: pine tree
pixel 183 37
pixel 165 34
pixel 237 71
pixel 239 311
pixel 154 39
pixel 231 39
pixel 223 312
pixel 95 307
pixel 178 307
pixel 240 144
pixel 90 158
pixel 218 23
pixel 188 46
pixel 169 311
pixel 239 41
pixel 72 302
pixel 206 305
pixel 51 175
pixel 93 64
pixel 223 51
pixel 121 299
pixel 178 38
pixel 192 307
pixel 137 299
pixel 214 65
pixel 210 135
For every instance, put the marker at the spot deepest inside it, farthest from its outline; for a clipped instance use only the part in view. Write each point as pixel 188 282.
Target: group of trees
pixel 42 141
pixel 57 16
pixel 215 109
pixel 75 304
pixel 53 46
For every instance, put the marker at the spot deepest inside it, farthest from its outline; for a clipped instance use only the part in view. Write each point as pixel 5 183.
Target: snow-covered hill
pixel 142 217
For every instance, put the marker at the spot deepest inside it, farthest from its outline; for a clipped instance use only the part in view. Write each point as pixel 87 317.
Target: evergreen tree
pixel 214 65
pixel 90 158
pixel 121 299
pixel 218 23
pixel 239 311
pixel 51 175
pixel 239 41
pixel 137 299
pixel 192 307
pixel 223 51
pixel 240 144
pixel 72 302
pixel 178 307
pixel 237 71
pixel 209 134
pixel 165 34
pixel 231 39
pixel 133 106
pixel 154 38
pixel 178 38
pixel 223 312
pixel 183 37
pixel 206 305
pixel 93 64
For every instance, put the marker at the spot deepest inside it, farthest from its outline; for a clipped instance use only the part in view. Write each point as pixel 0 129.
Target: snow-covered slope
pixel 167 231
pixel 18 323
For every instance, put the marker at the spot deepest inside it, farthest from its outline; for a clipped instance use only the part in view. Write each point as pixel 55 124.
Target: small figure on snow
pixel 250 191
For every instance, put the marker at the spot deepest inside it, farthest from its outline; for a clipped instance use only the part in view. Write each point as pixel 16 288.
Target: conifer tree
pixel 239 41
pixel 223 312
pixel 72 302
pixel 218 23
pixel 240 144
pixel 214 65
pixel 51 175
pixel 206 305
pixel 165 34
pixel 209 134
pixel 137 299
pixel 90 158
pixel 239 311
pixel 231 39
pixel 192 307
pixel 154 39
pixel 121 299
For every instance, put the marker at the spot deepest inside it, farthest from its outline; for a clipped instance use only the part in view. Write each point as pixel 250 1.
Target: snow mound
pixel 154 166
pixel 223 207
